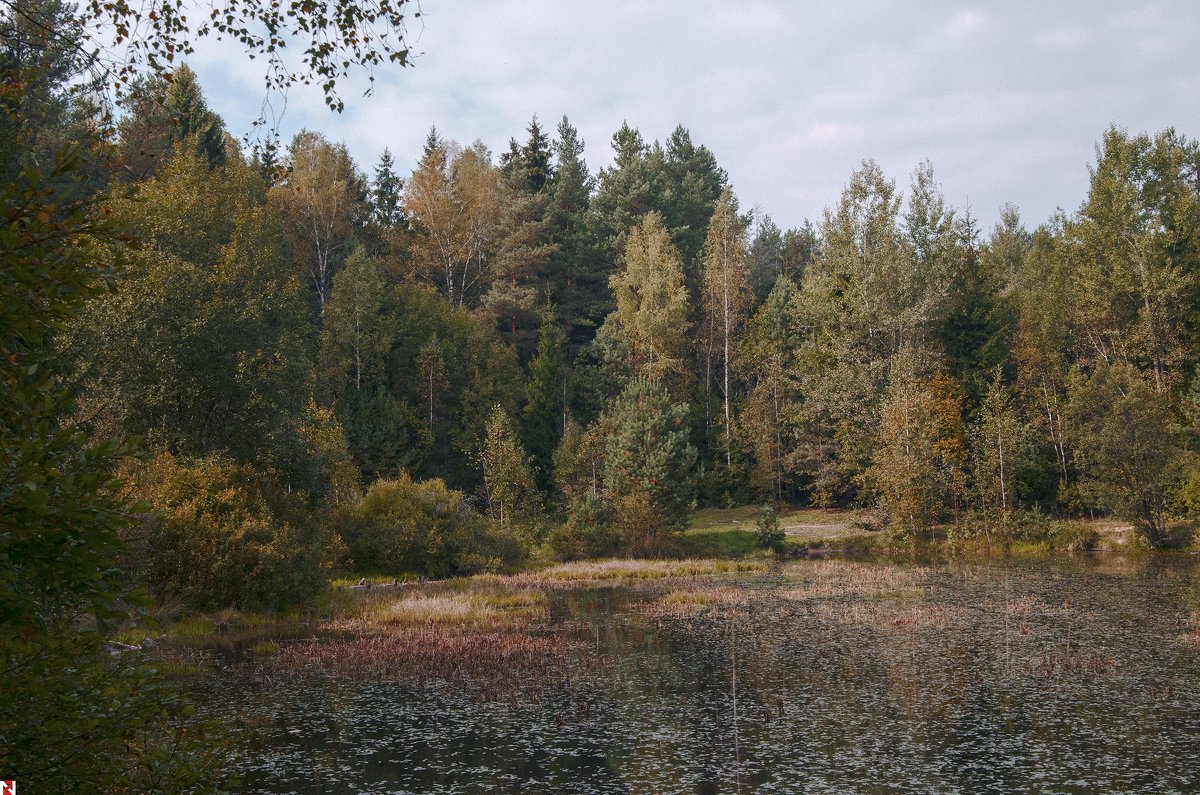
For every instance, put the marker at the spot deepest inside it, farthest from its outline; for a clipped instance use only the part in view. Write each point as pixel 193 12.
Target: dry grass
pixel 456 609
pixel 833 578
pixel 584 573
pixel 697 600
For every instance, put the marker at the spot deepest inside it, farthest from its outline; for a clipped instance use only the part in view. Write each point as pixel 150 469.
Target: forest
pixel 235 370
pixel 502 356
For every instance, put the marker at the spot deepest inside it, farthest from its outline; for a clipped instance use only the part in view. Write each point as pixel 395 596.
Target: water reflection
pixel 1076 676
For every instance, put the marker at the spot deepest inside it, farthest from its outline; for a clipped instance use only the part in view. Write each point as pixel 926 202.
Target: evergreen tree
pixel 977 316
pixel 649 478
pixel 535 158
pixel 691 186
pixel 575 271
pixel 766 257
pixel 545 412
pixel 164 112
pixel 625 191
pixel 801 247
pixel 386 189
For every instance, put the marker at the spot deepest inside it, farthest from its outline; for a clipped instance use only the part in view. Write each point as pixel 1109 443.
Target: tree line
pixel 578 360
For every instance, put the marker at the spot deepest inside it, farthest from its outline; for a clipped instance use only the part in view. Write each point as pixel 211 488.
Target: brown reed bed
pixel 832 578
pixel 437 653
pixel 440 605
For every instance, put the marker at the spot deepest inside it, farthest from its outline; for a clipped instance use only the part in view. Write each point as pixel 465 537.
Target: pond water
pixel 1054 676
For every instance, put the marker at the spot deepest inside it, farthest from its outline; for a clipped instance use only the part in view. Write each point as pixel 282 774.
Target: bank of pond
pixel 1048 673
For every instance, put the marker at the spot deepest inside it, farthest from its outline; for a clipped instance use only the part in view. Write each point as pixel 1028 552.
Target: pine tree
pixel 765 257
pixel 649 477
pixel 545 413
pixel 691 186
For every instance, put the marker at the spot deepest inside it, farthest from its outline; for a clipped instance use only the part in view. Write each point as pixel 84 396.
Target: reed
pixel 436 653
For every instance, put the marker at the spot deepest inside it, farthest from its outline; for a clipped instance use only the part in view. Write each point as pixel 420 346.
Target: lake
pixel 1078 675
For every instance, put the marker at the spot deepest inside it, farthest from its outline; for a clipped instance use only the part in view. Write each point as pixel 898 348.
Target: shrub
pixel 587 533
pixel 769 532
pixel 401 525
pixel 222 534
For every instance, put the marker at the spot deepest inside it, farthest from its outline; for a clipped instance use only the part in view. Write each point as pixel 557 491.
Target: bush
pixel 222 534
pixel 769 532
pixel 401 525
pixel 587 533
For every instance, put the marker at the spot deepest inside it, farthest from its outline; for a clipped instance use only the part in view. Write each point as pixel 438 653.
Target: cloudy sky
pixel 1006 99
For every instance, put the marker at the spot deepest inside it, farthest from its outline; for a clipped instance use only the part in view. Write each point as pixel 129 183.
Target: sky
pixel 1007 100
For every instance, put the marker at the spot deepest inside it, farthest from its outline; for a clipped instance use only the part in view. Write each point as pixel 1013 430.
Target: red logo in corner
pixel 8 788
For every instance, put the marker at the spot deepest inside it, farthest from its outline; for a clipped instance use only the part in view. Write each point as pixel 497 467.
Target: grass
pixel 593 571
pixel 730 532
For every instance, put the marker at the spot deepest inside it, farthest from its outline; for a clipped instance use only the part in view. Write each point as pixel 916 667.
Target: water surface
pixel 1064 676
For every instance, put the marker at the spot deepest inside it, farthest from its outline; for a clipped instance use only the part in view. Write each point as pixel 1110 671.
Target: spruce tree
pixel 386 189
pixel 535 158
pixel 545 411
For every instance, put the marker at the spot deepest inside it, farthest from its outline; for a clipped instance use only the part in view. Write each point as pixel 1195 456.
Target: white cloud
pixel 1007 103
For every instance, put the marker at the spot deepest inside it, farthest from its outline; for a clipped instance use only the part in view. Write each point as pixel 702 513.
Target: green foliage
pixel 768 423
pixel 587 533
pixel 202 349
pixel 74 718
pixel 427 528
pixel 917 471
pixel 164 112
pixel 652 303
pixel 649 480
pixel 223 534
pixel 546 406
pixel 767 529
pixel 508 487
pixel 1128 447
